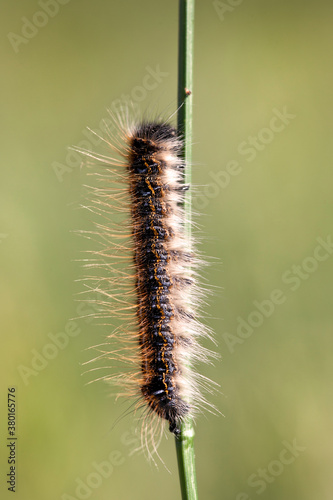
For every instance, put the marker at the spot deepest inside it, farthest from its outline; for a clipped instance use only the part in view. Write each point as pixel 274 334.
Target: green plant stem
pixel 186 461
pixel 184 442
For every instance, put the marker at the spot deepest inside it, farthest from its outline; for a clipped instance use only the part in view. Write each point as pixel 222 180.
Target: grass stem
pixel 184 442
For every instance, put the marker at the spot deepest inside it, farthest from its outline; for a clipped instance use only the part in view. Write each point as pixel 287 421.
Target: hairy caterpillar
pixel 148 272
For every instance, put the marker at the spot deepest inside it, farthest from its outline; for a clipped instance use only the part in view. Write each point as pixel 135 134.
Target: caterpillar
pixel 148 272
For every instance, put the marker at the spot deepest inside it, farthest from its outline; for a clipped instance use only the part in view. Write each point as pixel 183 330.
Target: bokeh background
pixel 264 189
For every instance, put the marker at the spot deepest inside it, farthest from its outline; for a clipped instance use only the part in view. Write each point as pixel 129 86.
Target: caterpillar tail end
pixel 174 428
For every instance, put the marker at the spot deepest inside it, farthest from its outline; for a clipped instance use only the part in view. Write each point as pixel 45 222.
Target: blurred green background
pixel 265 194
